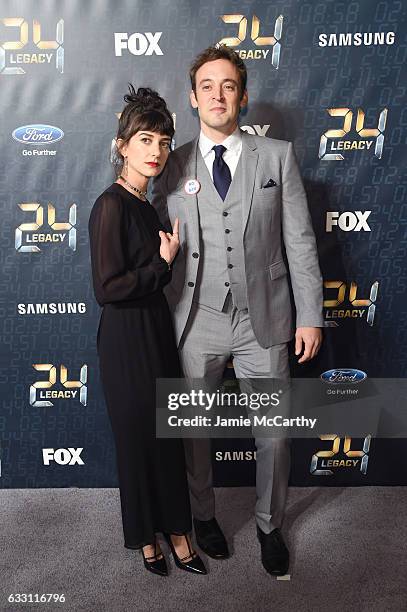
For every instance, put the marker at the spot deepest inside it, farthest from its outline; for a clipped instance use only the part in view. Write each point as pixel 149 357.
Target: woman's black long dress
pixel 136 345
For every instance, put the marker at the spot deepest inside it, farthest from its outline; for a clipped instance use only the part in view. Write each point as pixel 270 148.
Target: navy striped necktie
pixel 221 172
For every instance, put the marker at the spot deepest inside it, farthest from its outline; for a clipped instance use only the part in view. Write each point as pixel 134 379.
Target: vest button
pixel 195 255
pixel 225 214
pixel 227 284
pixel 229 249
pixel 227 231
pixel 190 284
pixel 230 265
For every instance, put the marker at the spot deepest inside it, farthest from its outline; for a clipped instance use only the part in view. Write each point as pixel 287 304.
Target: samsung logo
pixel 235 455
pixel 37 134
pixel 343 375
pixel 52 308
pixel 357 39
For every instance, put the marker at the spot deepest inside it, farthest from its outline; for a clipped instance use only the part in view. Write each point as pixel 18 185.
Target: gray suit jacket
pixel 271 215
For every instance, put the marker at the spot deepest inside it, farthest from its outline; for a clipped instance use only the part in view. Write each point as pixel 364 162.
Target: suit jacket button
pixel 230 266
pixel 227 231
pixel 225 214
pixel 195 255
pixel 227 284
pixel 229 249
pixel 190 284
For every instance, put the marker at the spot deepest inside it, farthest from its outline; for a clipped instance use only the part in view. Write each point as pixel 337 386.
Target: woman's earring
pixel 125 166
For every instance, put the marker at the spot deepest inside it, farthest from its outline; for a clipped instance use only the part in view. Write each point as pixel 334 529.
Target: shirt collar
pixel 232 142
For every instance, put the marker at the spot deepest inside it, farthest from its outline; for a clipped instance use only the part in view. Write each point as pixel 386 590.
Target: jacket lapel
pixel 191 201
pixel 250 158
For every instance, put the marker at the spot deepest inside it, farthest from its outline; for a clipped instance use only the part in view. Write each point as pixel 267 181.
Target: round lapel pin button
pixel 192 187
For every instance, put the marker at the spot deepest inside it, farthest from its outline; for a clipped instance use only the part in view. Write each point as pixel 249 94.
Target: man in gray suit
pixel 239 199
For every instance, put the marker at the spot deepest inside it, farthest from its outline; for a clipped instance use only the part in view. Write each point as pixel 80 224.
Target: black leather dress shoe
pixel 210 539
pixel 274 553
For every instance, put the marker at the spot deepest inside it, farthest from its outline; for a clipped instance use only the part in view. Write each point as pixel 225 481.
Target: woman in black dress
pixel 131 263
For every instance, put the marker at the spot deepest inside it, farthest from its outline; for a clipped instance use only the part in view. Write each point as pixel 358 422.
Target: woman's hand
pixel 169 243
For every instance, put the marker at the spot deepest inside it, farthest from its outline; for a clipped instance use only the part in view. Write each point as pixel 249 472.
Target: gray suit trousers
pixel 209 340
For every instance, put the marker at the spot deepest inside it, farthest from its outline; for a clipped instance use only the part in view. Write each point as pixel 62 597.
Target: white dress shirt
pixel 233 145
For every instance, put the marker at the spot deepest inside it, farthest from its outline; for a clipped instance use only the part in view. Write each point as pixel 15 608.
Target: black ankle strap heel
pixel 154 564
pixel 191 563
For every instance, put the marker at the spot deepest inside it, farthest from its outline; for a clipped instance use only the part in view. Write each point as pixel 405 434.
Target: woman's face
pixel 146 152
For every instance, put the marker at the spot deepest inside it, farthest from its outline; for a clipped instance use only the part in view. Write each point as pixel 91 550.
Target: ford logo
pixel 37 134
pixel 343 375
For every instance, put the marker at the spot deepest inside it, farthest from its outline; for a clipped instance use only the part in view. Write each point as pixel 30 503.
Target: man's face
pixel 217 96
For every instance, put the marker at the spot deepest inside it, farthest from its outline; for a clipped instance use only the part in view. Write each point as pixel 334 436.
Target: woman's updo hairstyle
pixel 145 110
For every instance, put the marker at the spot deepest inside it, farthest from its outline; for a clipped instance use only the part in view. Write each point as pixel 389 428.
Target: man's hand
pixel 311 338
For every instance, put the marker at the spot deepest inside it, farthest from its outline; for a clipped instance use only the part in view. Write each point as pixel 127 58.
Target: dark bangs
pixel 145 111
pixel 150 121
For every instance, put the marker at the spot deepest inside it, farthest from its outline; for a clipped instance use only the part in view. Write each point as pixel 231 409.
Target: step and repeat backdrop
pixel 329 76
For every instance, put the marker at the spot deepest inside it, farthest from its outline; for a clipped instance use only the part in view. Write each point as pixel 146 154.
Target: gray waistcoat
pixel 220 269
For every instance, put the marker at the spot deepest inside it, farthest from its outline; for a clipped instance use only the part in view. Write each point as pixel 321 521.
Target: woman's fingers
pixel 169 242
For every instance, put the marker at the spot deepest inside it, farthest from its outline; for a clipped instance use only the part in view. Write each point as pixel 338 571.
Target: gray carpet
pixel 348 553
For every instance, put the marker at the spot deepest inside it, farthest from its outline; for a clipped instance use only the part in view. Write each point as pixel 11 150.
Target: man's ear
pixel 193 100
pixel 244 100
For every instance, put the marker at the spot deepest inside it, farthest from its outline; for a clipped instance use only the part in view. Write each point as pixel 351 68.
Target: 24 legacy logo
pixel 335 140
pixel 137 43
pixel 325 461
pixel 42 391
pixel 346 304
pixel 27 236
pixel 262 44
pixel 37 136
pixel 38 51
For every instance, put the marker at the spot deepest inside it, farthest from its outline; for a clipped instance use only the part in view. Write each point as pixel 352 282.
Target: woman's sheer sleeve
pixel 113 281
